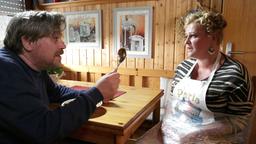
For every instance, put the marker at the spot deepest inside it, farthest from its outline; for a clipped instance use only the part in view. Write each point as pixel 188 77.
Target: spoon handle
pixel 117 66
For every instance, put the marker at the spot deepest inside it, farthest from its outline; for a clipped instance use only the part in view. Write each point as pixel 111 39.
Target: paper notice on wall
pixel 4 20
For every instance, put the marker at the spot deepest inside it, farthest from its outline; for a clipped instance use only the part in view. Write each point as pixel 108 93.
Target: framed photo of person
pixel 83 29
pixel 133 31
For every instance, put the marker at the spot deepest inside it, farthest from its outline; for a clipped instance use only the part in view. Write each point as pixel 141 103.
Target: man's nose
pixel 62 45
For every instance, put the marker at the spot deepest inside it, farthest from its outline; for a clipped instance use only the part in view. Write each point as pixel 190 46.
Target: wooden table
pixel 116 121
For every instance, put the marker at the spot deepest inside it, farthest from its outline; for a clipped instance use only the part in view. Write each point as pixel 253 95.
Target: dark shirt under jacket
pixel 24 97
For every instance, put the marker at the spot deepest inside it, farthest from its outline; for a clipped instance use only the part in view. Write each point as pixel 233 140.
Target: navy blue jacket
pixel 24 98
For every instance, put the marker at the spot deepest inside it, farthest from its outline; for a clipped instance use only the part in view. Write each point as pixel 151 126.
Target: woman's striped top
pixel 229 92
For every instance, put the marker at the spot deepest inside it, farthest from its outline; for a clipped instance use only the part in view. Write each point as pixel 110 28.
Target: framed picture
pixel 83 29
pixel 133 31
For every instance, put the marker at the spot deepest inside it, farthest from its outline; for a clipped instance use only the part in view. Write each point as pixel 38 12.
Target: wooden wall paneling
pixel 71 75
pixel 130 62
pixel 106 17
pixel 97 76
pixel 60 10
pixel 154 73
pixel 91 77
pixel 105 58
pixel 98 57
pixel 71 72
pixel 80 8
pixel 249 36
pixel 241 29
pixel 169 34
pixel 69 56
pixel 159 27
pixel 138 81
pixel 83 57
pixel 64 57
pixel 76 56
pixel 127 71
pixel 139 62
pixel 204 3
pixel 125 80
pixel 83 62
pixel 234 22
pixel 132 80
pixel 78 76
pixel 192 4
pixel 217 5
pixel 82 51
pixel 112 57
pixel 153 82
pixel 97 51
pixel 74 9
pixel 126 61
pixel 75 3
pixel 181 8
pixel 149 62
pixel 67 9
pixel 156 50
pixel 90 57
pixel 83 76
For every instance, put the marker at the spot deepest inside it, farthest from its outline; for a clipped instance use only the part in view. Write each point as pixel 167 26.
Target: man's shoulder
pixel 6 57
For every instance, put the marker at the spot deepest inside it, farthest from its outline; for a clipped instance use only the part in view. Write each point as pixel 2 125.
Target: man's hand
pixel 108 85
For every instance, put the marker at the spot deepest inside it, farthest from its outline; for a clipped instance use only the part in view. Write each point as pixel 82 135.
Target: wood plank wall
pixel 167 47
pixel 241 30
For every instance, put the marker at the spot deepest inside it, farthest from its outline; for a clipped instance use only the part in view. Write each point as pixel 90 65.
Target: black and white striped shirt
pixel 229 92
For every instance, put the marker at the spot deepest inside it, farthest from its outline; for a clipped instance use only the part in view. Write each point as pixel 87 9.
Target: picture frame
pixel 83 29
pixel 133 31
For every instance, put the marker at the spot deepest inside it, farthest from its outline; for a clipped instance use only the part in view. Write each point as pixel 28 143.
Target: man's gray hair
pixel 33 25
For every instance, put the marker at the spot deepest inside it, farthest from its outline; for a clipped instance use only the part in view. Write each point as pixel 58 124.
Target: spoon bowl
pixel 121 57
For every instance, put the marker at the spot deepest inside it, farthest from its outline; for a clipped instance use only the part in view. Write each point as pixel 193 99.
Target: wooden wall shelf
pixel 83 2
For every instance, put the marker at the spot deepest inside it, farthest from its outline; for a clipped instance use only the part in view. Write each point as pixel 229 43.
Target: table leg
pixel 156 113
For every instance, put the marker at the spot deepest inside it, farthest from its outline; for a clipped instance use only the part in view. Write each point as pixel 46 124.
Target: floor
pixel 140 131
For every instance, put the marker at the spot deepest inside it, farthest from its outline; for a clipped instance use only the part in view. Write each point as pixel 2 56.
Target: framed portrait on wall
pixel 133 31
pixel 83 29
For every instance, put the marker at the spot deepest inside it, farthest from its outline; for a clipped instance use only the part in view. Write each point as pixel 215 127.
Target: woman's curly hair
pixel 213 22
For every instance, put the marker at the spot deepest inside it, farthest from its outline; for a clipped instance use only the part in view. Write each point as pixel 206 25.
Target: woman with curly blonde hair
pixel 210 98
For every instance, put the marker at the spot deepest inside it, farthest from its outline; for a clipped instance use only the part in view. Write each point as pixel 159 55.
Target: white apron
pixel 186 110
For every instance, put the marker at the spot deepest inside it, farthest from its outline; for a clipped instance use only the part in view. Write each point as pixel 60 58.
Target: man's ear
pixel 27 44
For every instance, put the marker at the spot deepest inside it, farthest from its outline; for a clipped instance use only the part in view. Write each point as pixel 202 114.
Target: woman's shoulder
pixel 232 73
pixel 187 63
pixel 233 67
pixel 183 68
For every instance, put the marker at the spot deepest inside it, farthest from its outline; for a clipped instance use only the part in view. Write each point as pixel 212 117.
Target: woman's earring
pixel 211 51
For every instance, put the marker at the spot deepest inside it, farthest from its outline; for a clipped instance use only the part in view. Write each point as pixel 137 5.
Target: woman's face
pixel 197 41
